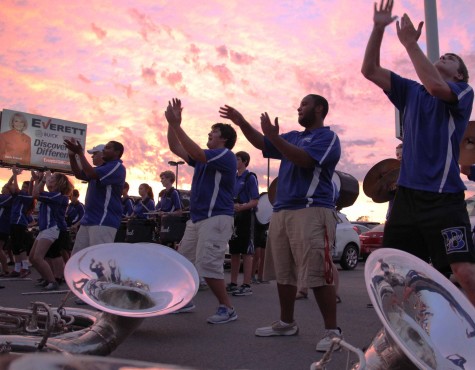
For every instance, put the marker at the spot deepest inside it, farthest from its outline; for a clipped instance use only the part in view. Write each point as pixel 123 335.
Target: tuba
pixel 427 322
pixel 127 282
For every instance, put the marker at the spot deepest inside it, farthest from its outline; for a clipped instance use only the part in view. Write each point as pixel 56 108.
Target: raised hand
pixel 268 129
pixel 173 112
pixel 406 32
pixel 383 16
pixel 16 170
pixel 232 114
pixel 73 146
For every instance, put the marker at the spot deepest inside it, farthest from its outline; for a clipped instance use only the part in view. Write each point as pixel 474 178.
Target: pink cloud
pixel 99 32
pixel 241 58
pixel 222 72
pixel 149 75
pixel 222 51
pixel 84 79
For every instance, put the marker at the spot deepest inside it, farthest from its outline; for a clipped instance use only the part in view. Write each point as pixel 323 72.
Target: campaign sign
pixel 35 141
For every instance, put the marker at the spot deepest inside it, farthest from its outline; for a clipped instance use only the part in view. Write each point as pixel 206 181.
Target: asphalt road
pixel 187 340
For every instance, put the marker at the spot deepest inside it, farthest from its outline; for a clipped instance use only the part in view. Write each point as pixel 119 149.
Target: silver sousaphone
pixel 428 323
pixel 133 280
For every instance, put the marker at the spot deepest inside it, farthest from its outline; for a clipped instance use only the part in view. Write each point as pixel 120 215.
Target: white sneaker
pixel 223 315
pixel 278 328
pixel 325 343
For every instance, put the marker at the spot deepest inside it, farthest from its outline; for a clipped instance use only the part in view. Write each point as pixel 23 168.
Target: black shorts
pixel 260 234
pixel 63 242
pixel 242 240
pixel 20 240
pixel 432 226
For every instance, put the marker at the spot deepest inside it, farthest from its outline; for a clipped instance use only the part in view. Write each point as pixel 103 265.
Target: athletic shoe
pixel 231 288
pixel 254 280
pixel 278 328
pixel 24 273
pixel 190 306
pixel 41 283
pixel 260 281
pixel 51 286
pixel 326 342
pixel 243 290
pixel 14 274
pixel 223 315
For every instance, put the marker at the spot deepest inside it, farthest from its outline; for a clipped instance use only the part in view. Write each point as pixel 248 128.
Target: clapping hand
pixel 173 112
pixel 406 32
pixel 232 114
pixel 382 16
pixel 268 129
pixel 74 146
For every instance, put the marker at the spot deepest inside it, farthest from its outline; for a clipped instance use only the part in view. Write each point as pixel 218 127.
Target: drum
pixel 348 187
pixel 121 232
pixel 172 228
pixel 139 231
pixel 264 209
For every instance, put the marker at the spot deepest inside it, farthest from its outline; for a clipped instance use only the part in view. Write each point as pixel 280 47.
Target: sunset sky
pixel 114 64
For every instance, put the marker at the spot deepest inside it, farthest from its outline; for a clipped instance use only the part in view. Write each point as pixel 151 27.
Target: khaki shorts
pixel 204 244
pixel 92 235
pixel 296 246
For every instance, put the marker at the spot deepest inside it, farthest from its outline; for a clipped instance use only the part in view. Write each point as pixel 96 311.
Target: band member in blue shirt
pixel 103 206
pixel 428 218
pixel 303 224
pixel 211 205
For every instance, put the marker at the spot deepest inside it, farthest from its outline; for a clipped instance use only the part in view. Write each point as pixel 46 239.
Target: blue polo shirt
pixel 246 187
pixel 21 202
pixel 212 187
pixel 169 201
pixel 301 187
pixel 6 201
pixel 74 213
pixel 433 130
pixel 52 210
pixel 143 206
pixel 127 206
pixel 103 198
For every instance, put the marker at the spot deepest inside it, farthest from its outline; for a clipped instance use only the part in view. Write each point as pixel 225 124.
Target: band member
pixel 52 219
pixel 246 195
pixel 22 203
pixel 428 218
pixel 303 224
pixel 103 207
pixel 127 202
pixel 211 205
pixel 169 197
pixel 145 204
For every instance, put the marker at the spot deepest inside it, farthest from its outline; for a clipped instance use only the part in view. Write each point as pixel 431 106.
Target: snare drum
pixel 172 228
pixel 139 231
pixel 264 209
pixel 348 187
pixel 121 232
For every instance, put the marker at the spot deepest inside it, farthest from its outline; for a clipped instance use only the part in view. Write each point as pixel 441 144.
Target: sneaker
pixel 223 315
pixel 190 306
pixel 14 274
pixel 254 280
pixel 243 290
pixel 24 273
pixel 278 328
pixel 51 286
pixel 41 283
pixel 326 342
pixel 260 281
pixel 231 288
pixel 203 286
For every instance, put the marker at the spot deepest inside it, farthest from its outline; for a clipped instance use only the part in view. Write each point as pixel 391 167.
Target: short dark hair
pixel 118 147
pixel 320 100
pixel 245 157
pixel 462 67
pixel 227 132
pixel 169 175
pixel 75 193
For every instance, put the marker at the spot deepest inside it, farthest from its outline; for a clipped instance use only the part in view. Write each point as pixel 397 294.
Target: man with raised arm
pixel 211 204
pixel 428 217
pixel 303 225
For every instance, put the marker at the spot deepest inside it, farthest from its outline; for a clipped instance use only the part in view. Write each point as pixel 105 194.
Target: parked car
pixel 368 224
pixel 347 244
pixel 371 240
pixel 360 229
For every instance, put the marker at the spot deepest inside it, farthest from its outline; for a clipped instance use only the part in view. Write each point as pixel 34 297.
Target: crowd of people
pixel 302 230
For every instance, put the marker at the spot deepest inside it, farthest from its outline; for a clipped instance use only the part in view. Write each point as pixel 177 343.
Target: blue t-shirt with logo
pixel 52 210
pixel 301 187
pixel 212 187
pixel 103 198
pixel 246 187
pixel 169 201
pixel 433 130
pixel 21 202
